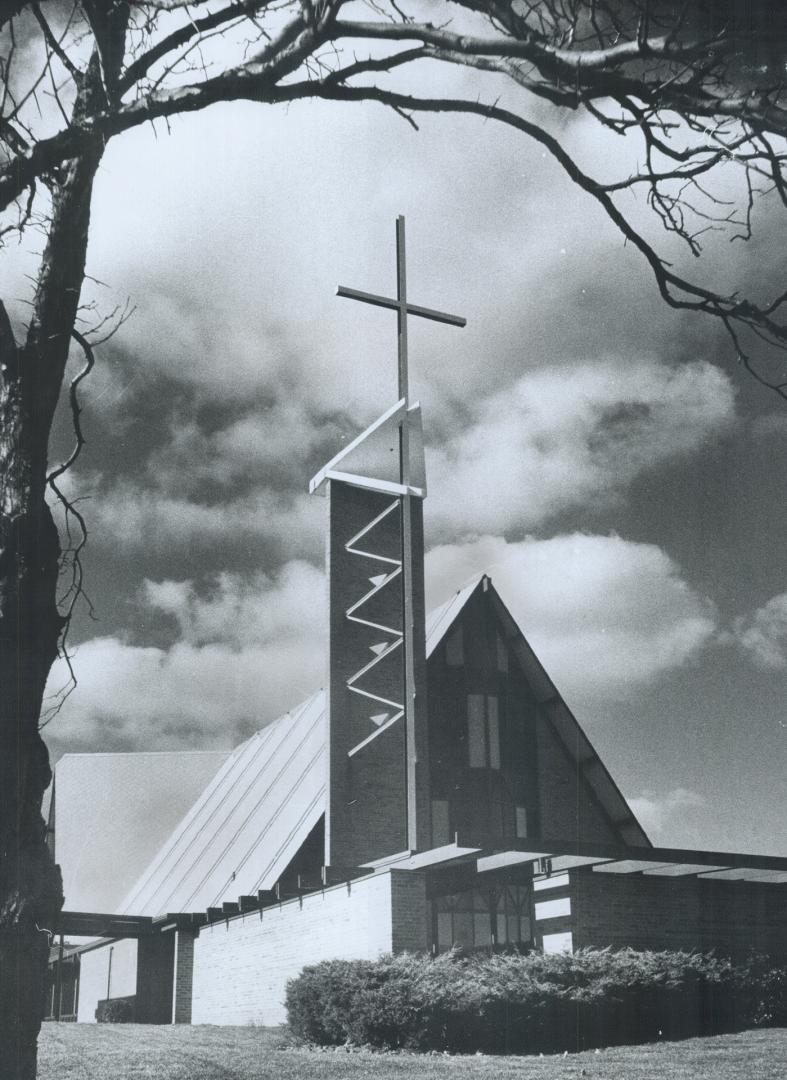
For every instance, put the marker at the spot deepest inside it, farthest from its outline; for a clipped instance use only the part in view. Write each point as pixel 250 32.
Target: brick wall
pixel 241 967
pixel 652 912
pixel 409 912
pixel 183 977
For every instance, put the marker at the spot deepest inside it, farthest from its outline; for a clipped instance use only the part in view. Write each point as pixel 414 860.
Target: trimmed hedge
pixel 513 1003
pixel 116 1010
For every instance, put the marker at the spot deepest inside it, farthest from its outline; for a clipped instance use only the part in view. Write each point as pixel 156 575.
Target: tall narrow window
pixel 521 822
pixel 476 731
pixel 493 723
pixel 483 731
pixel 502 654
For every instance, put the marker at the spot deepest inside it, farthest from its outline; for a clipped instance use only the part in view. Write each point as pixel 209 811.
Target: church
pixel 436 793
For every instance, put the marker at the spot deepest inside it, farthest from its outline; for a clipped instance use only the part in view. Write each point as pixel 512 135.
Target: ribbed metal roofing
pixel 252 818
pixel 256 813
pixel 249 822
pixel 440 619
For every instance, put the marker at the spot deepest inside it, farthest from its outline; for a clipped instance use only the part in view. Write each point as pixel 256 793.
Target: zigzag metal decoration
pixel 383 720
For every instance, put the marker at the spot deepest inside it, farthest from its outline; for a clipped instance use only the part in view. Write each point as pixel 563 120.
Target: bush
pixel 529 1003
pixel 116 1010
pixel 764 988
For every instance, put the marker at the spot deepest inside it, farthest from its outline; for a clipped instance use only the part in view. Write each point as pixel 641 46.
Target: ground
pixel 133 1052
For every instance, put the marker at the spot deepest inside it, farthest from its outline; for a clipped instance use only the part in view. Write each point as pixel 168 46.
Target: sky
pixel 603 458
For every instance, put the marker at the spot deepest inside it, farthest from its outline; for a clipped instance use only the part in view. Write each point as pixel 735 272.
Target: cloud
pixel 129 516
pixel 763 635
pixel 570 436
pixel 239 611
pixel 233 260
pixel 662 815
pixel 556 440
pixel 602 613
pixel 248 650
pixel 274 446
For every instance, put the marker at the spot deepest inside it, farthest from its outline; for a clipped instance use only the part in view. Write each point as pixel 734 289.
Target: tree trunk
pixel 30 884
pixel 31 378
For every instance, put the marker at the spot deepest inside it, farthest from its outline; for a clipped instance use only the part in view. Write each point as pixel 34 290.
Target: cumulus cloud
pixel 663 815
pixel 248 650
pixel 238 611
pixel 557 439
pixel 562 437
pixel 763 635
pixel 275 445
pixel 602 613
pixel 130 516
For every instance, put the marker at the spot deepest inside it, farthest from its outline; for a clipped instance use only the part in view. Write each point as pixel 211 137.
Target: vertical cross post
pixel 411 748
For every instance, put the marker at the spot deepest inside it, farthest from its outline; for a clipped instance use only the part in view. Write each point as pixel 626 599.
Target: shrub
pixel 116 1010
pixel 764 989
pixel 529 1003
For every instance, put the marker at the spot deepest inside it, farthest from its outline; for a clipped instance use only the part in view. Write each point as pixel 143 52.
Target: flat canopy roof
pixel 96 924
pixel 494 854
pixel 488 854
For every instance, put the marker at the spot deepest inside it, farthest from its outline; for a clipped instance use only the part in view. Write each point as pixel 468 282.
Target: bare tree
pixel 699 85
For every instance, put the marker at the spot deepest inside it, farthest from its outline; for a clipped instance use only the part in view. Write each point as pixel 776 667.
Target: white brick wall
pixel 241 968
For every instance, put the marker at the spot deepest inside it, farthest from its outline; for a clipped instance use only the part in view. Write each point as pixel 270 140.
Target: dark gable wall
pixel 535 771
pixel 567 807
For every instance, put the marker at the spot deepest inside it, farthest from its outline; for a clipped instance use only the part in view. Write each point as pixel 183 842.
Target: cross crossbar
pixel 390 302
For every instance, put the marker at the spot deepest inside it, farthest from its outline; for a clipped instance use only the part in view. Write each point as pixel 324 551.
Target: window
pixel 476 731
pixel 559 943
pixel 483 732
pixel 502 654
pixel 484 918
pixel 554 909
pixel 513 915
pixel 521 822
pixel 493 722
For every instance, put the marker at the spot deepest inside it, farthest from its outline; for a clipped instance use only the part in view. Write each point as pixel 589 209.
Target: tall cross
pixel 403 308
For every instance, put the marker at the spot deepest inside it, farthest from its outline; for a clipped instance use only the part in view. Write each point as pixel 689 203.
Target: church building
pixel 438 792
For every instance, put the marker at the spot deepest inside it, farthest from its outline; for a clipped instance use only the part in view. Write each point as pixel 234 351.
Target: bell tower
pixel 378 770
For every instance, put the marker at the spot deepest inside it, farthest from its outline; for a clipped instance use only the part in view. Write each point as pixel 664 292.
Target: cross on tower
pixel 403 308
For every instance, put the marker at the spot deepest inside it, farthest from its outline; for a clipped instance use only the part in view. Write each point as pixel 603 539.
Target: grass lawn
pixel 123 1052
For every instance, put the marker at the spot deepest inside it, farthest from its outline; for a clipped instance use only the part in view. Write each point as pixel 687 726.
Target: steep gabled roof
pixel 440 620
pixel 249 822
pixel 590 768
pixel 256 813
